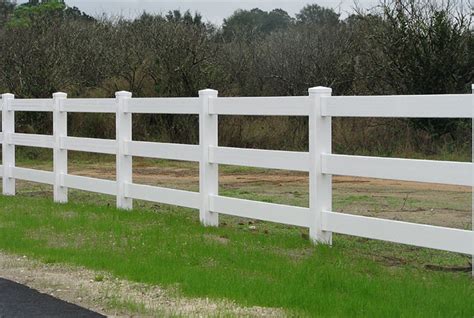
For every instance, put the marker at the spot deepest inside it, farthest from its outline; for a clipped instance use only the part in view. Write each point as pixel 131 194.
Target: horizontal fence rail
pixel 89 184
pixel 163 106
pixel 319 162
pixel 104 146
pixel 399 232
pixel 285 214
pixel 32 105
pixel 33 175
pixel 29 140
pixel 415 106
pixel 182 198
pixel 261 106
pixel 429 171
pixel 162 150
pixel 88 105
pixel 271 159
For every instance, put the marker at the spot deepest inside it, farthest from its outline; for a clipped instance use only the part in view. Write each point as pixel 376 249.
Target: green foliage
pixel 317 16
pixel 6 9
pixel 24 15
pixel 250 24
pixel 427 50
pixel 187 18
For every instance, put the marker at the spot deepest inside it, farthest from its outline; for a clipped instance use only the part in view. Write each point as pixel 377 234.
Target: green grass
pixel 272 265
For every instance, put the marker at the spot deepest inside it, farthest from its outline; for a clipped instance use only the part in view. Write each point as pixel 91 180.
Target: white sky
pixel 211 10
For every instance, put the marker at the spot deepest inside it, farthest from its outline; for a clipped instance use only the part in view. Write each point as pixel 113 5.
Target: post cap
pixel 208 92
pixel 59 95
pixel 8 96
pixel 320 90
pixel 123 94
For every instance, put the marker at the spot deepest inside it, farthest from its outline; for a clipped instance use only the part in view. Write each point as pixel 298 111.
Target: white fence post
pixel 320 185
pixel 208 172
pixel 8 150
pixel 59 155
pixel 124 168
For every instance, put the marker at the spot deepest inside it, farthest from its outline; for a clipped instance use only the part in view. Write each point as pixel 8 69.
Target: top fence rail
pixel 406 106
pixel 413 106
pixel 32 105
pixel 261 106
pixel 178 105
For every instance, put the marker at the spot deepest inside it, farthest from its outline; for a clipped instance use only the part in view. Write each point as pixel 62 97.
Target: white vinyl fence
pixel 321 164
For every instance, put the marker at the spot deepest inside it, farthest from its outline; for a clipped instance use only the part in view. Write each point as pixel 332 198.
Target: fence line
pixel 321 164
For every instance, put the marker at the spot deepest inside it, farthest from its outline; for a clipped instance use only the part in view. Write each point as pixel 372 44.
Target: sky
pixel 212 10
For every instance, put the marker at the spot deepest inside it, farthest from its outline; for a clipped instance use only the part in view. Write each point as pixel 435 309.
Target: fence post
pixel 59 154
pixel 472 176
pixel 320 185
pixel 123 127
pixel 208 172
pixel 8 150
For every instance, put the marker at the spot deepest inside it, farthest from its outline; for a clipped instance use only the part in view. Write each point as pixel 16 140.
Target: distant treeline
pixel 399 47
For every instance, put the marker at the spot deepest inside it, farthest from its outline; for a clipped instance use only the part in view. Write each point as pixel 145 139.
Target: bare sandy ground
pixel 434 204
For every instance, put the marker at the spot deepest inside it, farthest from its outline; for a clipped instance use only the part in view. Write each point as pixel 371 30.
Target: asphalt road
pixel 17 300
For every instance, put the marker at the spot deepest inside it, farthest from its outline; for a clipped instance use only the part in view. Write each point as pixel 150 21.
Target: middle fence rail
pixel 319 162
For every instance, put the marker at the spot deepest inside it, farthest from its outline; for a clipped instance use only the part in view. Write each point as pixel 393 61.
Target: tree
pixel 318 16
pixel 187 18
pixel 6 9
pixel 427 49
pixel 249 24
pixel 24 15
pixel 406 47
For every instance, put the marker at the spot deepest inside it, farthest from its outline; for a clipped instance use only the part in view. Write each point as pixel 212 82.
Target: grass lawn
pixel 269 265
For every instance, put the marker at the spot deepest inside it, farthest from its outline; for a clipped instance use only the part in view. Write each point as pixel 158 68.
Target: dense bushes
pixel 404 47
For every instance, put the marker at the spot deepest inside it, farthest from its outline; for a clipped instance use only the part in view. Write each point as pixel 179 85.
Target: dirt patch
pixel 454 219
pixel 404 185
pixel 170 174
pixel 435 204
pixel 110 296
pixel 162 174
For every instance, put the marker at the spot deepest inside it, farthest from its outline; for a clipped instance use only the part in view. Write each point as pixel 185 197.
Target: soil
pixel 437 204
